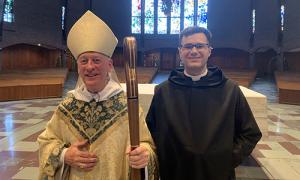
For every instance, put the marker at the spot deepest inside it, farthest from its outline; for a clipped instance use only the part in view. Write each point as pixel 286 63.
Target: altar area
pixel 276 156
pixel 257 102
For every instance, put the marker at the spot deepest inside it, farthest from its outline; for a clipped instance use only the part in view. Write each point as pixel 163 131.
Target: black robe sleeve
pixel 247 133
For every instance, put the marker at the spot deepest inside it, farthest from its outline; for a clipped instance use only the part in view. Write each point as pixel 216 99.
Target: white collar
pixel 196 78
pixel 112 88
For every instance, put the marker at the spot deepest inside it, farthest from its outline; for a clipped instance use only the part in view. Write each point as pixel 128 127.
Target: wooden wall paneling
pixel 168 59
pixel 117 57
pixel 292 60
pixel 31 84
pixel 178 60
pixel 152 58
pixel 71 61
pixel 229 58
pixel 288 84
pixel 31 91
pixel 265 62
pixel 23 56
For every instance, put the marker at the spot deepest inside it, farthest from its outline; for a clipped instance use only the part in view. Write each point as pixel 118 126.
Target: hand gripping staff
pixel 130 56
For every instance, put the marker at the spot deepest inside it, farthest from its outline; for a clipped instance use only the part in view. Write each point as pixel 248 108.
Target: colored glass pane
pixel 149 8
pixel 202 13
pixel 282 17
pixel 190 16
pixel 149 17
pixel 8 15
pixel 188 13
pixel 63 17
pixel 136 16
pixel 175 11
pixel 136 25
pixel 136 7
pixel 149 25
pixel 162 25
pixel 175 17
pixel 175 25
pixel 161 20
pixel 253 21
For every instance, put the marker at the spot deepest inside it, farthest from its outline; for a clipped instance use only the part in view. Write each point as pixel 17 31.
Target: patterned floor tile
pixel 33 137
pixel 275 157
pixel 290 147
pixel 9 126
pixel 5 133
pixel 27 173
pixel 28 121
pixel 280 169
pixel 263 146
pixel 24 146
pixel 257 154
pixel 297 143
pixel 253 173
pixel 277 154
pixel 250 162
pixel 12 161
pixel 45 116
pixel 22 115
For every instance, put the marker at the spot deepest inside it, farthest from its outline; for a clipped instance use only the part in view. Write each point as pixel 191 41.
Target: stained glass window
pixel 161 19
pixel 189 13
pixel 168 17
pixel 149 16
pixel 282 17
pixel 136 16
pixel 253 21
pixel 63 10
pixel 202 13
pixel 8 15
pixel 175 17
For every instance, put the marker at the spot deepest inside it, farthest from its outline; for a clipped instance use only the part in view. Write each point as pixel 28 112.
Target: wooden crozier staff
pixel 129 52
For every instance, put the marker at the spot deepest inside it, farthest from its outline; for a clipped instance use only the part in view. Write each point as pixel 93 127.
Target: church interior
pixel 255 42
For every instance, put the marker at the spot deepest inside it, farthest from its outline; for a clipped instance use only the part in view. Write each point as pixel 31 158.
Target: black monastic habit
pixel 202 129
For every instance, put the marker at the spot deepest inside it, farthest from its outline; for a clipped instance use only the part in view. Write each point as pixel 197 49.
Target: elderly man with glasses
pixel 200 120
pixel 87 137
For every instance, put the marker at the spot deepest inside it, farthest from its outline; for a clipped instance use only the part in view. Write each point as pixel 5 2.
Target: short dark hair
pixel 194 30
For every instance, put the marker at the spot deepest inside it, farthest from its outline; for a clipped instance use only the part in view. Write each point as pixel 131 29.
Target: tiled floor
pixel 277 156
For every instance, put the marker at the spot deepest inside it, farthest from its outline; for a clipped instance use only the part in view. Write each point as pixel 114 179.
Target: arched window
pixel 8 15
pixel 63 14
pixel 167 16
pixel 253 20
pixel 282 17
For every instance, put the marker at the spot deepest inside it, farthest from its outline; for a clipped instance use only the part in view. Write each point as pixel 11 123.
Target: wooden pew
pixel 31 84
pixel 244 77
pixel 144 74
pixel 288 84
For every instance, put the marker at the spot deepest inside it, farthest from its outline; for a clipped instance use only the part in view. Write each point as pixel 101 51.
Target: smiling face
pixel 194 53
pixel 93 68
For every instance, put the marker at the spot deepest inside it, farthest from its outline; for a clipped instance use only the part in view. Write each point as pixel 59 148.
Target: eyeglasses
pixel 198 46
